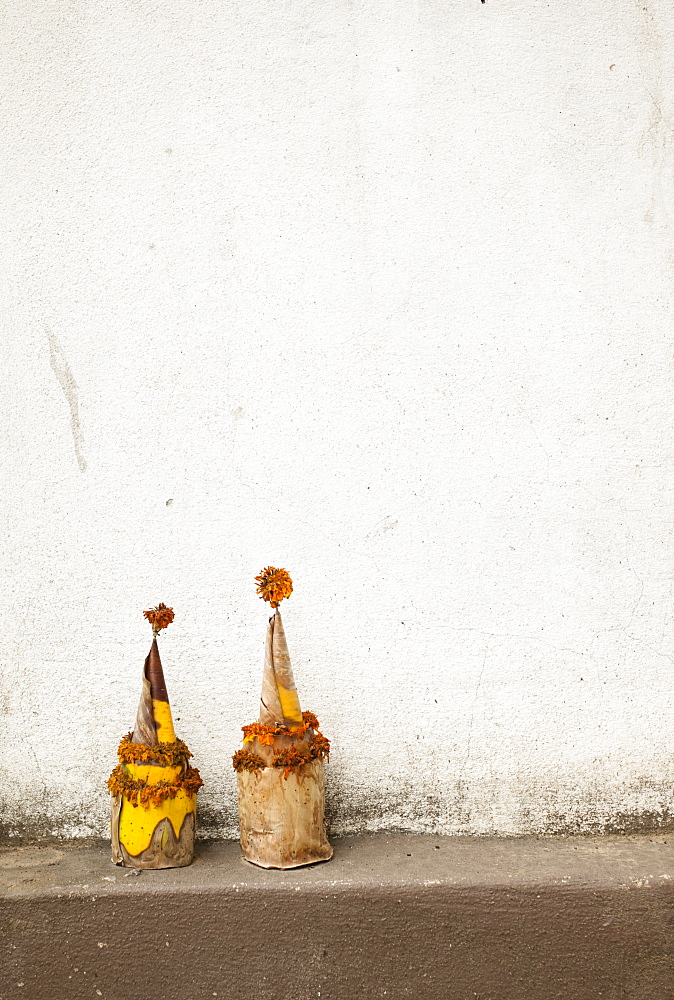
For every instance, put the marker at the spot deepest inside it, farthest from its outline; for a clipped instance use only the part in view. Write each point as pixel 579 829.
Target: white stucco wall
pixel 379 292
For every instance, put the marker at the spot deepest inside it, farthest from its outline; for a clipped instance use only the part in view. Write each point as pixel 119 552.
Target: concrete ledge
pixel 391 916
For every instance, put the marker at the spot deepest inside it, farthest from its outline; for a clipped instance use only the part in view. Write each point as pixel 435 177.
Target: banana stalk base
pixel 165 849
pixel 282 820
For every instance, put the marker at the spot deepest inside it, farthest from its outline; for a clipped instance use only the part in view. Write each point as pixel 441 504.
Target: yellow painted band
pixel 151 774
pixel 290 705
pixel 163 719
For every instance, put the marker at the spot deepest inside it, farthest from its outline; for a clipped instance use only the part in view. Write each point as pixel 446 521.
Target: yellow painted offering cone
pixel 280 771
pixel 154 722
pixel 154 790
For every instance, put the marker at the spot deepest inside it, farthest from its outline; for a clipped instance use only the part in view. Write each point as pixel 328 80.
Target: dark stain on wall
pixel 352 810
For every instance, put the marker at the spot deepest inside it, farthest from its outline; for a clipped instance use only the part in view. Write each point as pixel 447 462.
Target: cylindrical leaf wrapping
pixel 167 830
pixel 282 819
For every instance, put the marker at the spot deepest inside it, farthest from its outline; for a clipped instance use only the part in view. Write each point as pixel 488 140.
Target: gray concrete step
pixel 392 915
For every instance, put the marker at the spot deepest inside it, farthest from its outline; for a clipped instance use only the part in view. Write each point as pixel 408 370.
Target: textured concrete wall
pixel 378 292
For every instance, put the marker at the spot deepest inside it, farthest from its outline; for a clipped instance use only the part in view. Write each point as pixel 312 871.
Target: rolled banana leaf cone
pixel 280 771
pixel 279 701
pixel 154 790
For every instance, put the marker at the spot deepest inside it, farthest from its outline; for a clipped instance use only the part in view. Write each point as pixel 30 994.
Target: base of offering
pixel 281 788
pixel 154 805
pixel 166 849
pixel 282 819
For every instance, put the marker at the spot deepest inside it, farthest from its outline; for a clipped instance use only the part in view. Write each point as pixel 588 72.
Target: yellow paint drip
pixel 161 711
pixel 290 705
pixel 138 823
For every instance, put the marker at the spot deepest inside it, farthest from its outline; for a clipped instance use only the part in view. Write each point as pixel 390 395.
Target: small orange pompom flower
pixel 159 617
pixel 273 585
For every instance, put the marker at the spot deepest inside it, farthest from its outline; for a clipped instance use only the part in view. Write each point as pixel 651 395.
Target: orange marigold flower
pixel 138 793
pixel 263 734
pixel 159 617
pixel 164 754
pixel 291 759
pixel 310 720
pixel 320 746
pixel 273 585
pixel 244 760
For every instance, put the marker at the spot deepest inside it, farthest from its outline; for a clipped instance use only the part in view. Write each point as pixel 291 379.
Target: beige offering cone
pixel 281 781
pixel 279 703
pixel 153 821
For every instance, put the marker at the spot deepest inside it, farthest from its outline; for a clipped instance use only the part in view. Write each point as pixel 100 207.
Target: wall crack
pixel 65 378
